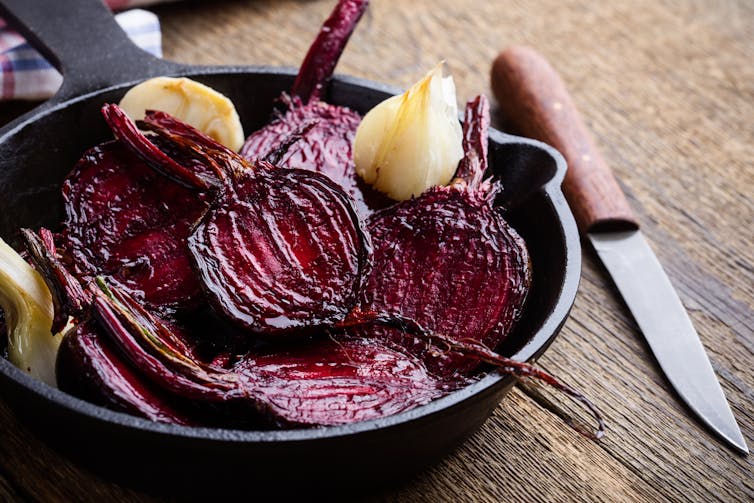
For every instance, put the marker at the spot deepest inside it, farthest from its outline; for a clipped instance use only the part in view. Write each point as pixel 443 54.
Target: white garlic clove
pixel 189 101
pixel 411 142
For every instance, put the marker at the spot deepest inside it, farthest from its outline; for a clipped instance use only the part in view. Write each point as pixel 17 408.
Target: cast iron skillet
pixel 37 151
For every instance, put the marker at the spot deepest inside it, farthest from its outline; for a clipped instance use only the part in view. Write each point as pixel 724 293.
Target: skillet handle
pixel 82 39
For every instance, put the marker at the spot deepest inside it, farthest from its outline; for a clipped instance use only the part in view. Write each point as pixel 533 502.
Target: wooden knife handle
pixel 533 97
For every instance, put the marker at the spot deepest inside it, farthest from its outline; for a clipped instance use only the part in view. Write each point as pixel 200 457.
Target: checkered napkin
pixel 26 75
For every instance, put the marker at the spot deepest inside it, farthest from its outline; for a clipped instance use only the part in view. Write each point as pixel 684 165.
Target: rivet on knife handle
pixel 533 97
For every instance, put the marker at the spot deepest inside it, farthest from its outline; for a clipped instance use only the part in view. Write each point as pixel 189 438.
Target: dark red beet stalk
pixel 322 382
pixel 437 345
pixel 126 132
pixel 326 49
pixel 473 165
pixel 327 147
pixel 275 156
pixel 68 297
pixel 279 250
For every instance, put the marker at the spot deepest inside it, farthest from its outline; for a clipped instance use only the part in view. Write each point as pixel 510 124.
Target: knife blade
pixel 533 97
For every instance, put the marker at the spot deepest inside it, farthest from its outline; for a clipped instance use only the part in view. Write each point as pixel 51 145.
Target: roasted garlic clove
pixel 192 102
pixel 411 142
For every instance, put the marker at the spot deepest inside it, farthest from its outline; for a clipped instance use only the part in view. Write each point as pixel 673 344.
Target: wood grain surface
pixel 667 88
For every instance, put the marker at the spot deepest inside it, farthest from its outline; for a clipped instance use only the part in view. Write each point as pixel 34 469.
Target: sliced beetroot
pixel 320 382
pixel 130 224
pixel 449 261
pixel 327 147
pixel 327 382
pixel 279 250
pixel 87 367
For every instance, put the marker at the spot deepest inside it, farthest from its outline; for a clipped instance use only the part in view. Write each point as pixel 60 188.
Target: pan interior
pixel 36 156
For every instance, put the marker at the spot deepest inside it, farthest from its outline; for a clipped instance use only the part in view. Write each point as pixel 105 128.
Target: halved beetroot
pixel 449 261
pixel 279 250
pixel 327 147
pixel 318 382
pixel 128 223
pixel 88 367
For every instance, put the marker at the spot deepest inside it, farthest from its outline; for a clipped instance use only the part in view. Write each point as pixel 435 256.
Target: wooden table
pixel 668 88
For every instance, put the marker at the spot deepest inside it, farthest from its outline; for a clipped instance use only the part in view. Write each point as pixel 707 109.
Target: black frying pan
pixel 99 64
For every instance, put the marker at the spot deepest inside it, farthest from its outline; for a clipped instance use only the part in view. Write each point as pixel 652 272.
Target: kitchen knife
pixel 533 97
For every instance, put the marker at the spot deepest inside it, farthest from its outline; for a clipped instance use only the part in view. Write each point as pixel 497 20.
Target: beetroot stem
pixel 476 123
pixel 481 353
pixel 323 55
pixel 155 120
pixel 68 297
pixel 125 131
pixel 522 369
pixel 276 155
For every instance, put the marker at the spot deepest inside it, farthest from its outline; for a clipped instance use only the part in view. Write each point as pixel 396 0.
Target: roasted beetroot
pixel 130 224
pixel 86 364
pixel 319 382
pixel 449 261
pixel 89 368
pixel 327 147
pixel 279 250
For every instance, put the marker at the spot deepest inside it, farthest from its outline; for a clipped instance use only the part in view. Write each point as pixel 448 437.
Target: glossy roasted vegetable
pixel 327 147
pixel 320 382
pixel 279 250
pixel 128 223
pixel 411 142
pixel 449 261
pixel 27 305
pixel 89 367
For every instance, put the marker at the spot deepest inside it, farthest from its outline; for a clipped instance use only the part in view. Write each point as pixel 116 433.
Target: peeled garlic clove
pixel 411 142
pixel 27 304
pixel 189 101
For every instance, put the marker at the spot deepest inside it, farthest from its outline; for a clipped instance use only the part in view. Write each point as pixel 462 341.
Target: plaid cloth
pixel 26 75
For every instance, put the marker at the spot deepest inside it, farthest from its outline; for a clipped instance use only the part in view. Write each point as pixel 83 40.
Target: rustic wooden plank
pixel 668 89
pixel 519 456
pixel 8 493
